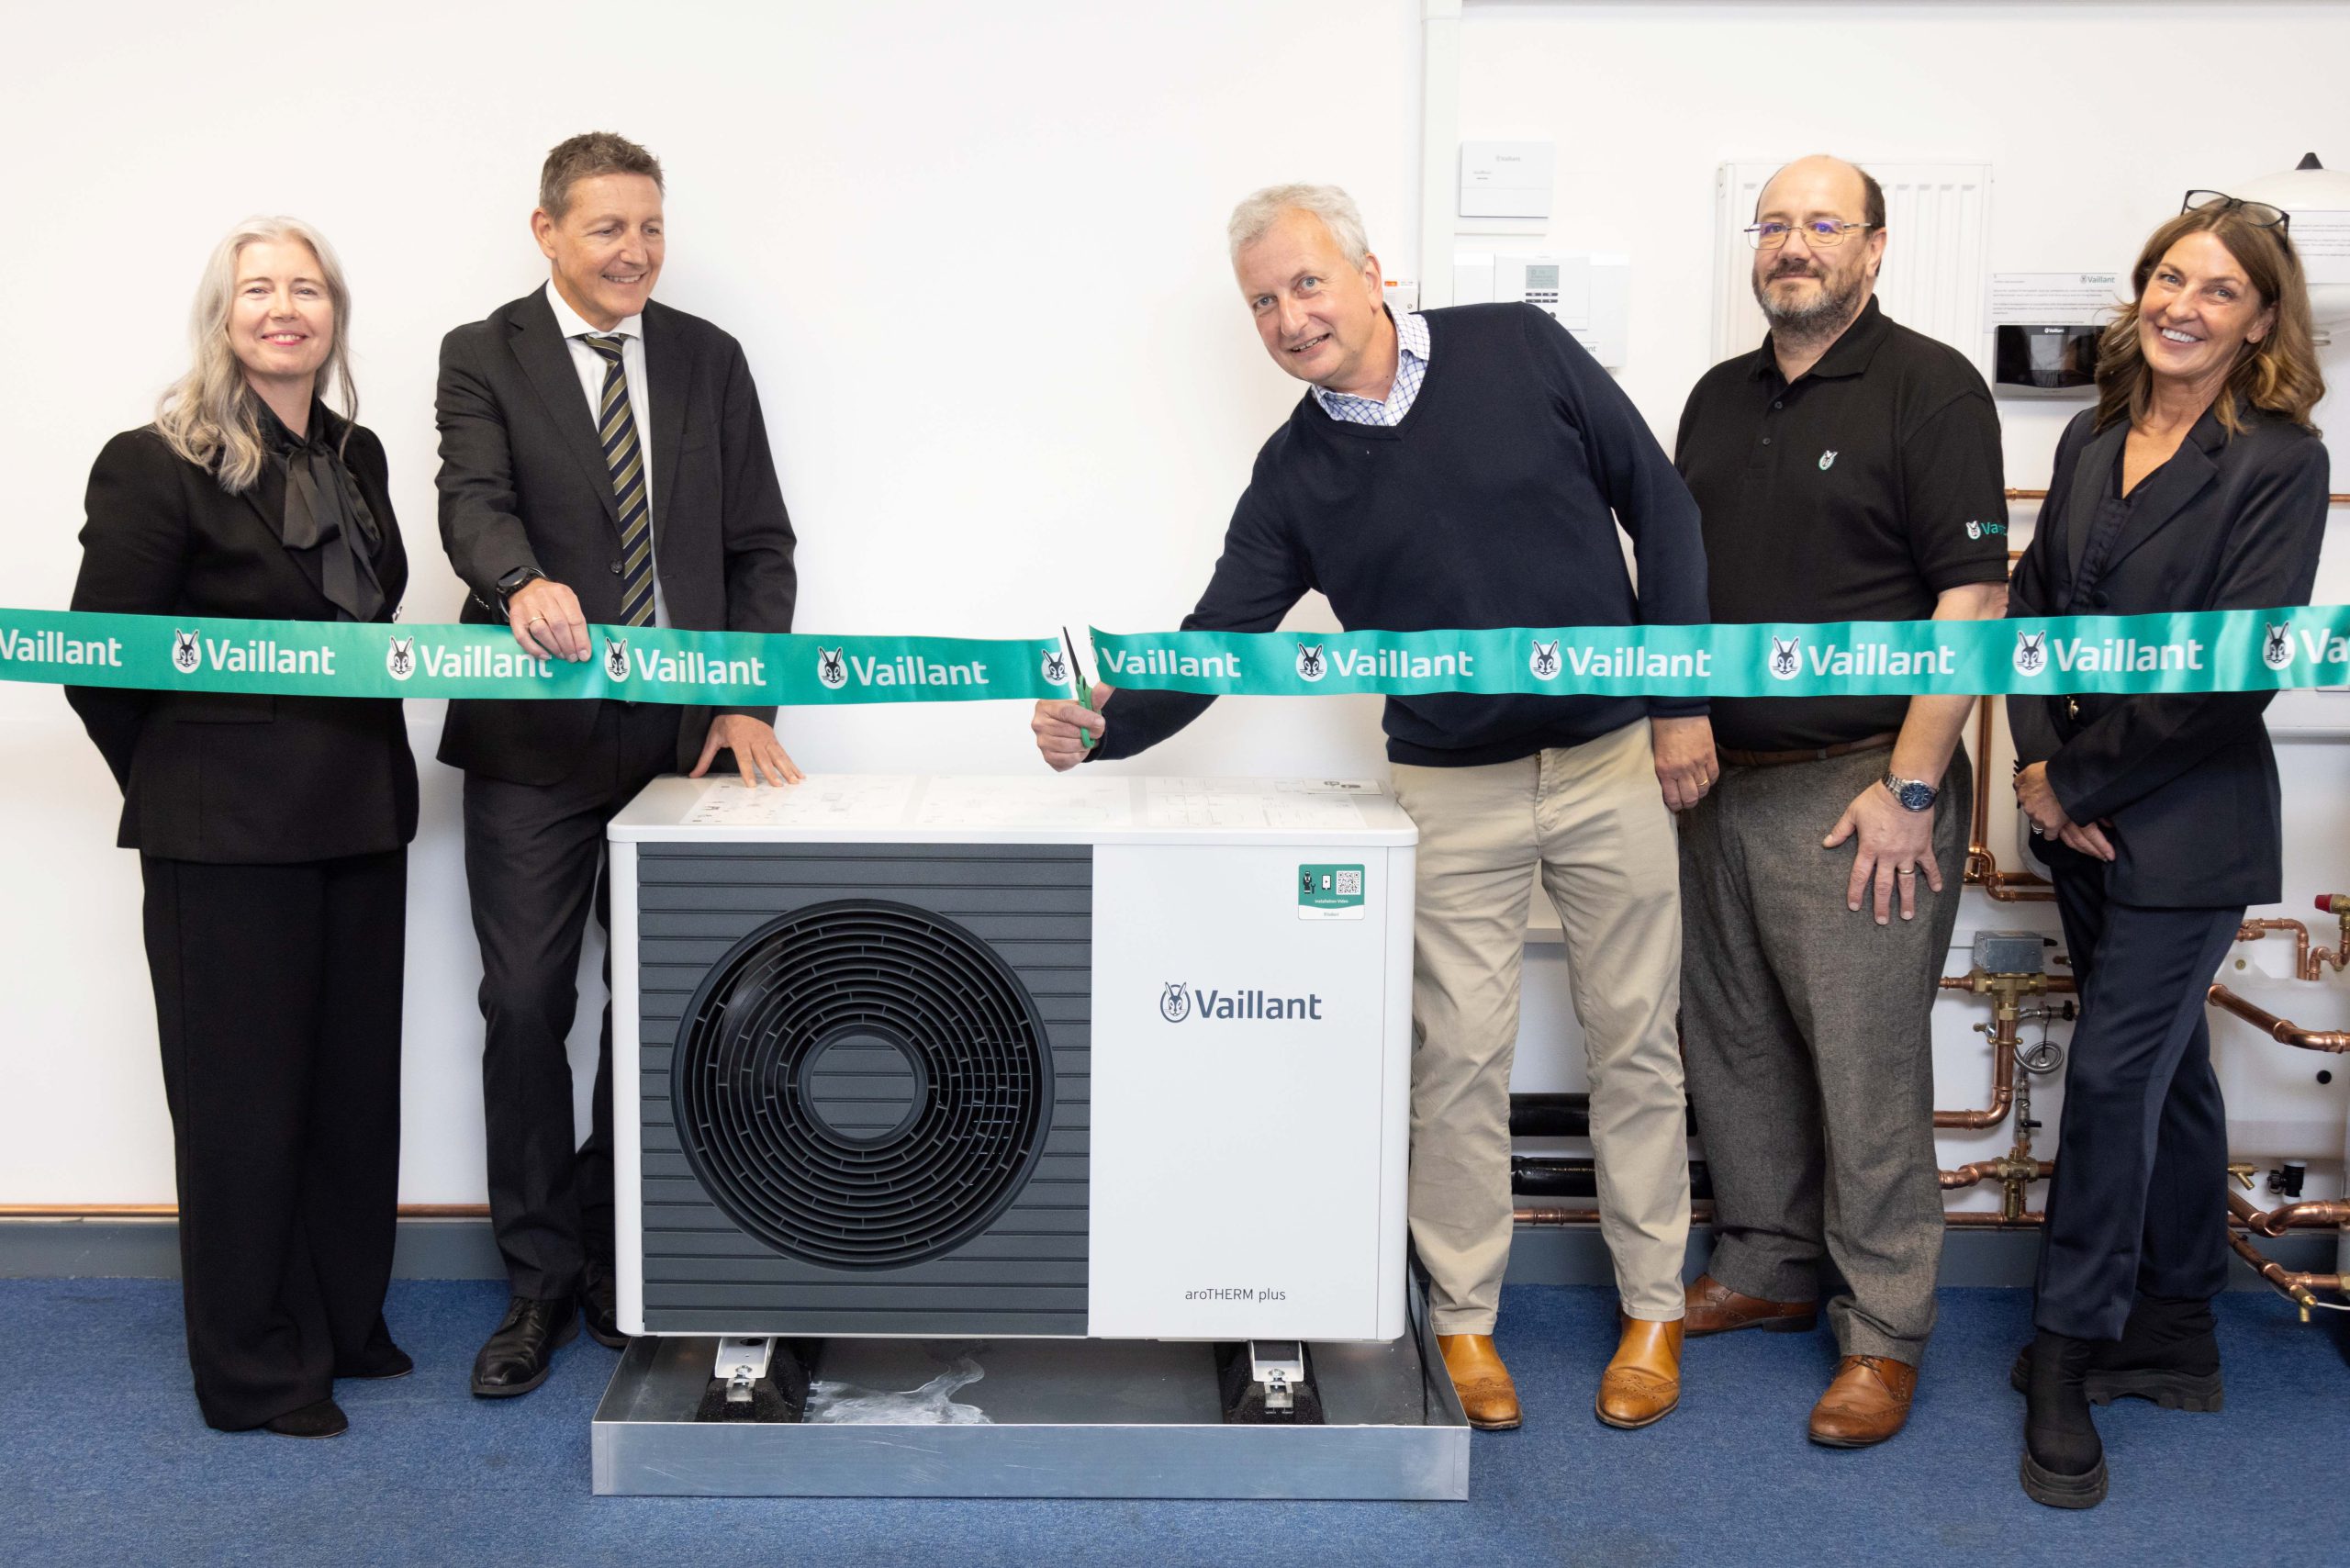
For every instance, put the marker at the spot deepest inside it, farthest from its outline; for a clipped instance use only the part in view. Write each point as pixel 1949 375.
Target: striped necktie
pixel 615 429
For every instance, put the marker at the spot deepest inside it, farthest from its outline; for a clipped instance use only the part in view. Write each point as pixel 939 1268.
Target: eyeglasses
pixel 2259 214
pixel 1820 233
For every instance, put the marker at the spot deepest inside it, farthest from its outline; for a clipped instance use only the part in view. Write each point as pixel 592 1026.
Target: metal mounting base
pixel 1034 1419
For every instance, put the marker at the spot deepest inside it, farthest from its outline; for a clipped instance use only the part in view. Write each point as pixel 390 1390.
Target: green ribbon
pixel 2229 650
pixel 2218 650
pixel 325 658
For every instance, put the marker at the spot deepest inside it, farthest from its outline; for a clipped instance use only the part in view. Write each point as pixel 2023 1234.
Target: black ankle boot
pixel 2063 1464
pixel 2168 1353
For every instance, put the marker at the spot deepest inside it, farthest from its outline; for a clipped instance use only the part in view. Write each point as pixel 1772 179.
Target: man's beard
pixel 1827 314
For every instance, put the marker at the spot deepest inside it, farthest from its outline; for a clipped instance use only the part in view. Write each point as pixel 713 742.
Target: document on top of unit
pixel 986 801
pixel 824 800
pixel 1255 803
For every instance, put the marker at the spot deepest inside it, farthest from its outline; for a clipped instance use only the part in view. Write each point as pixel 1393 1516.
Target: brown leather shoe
pixel 1867 1404
pixel 1643 1382
pixel 1487 1395
pixel 1715 1308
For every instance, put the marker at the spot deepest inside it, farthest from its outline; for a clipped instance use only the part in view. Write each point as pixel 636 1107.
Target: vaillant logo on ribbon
pixel 1786 657
pixel 616 658
pixel 1309 662
pixel 2032 652
pixel 830 669
pixel 400 658
pixel 1056 667
pixel 2276 647
pixel 1177 1003
pixel 1543 662
pixel 185 655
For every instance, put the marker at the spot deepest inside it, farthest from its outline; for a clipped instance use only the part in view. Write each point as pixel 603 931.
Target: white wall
pixel 974 255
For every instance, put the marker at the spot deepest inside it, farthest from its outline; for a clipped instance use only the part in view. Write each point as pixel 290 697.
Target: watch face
pixel 1916 796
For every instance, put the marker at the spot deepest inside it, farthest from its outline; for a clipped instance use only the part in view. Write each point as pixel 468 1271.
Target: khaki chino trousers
pixel 1590 822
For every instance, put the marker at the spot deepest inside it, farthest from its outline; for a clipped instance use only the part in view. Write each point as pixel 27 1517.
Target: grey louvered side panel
pixel 1025 1273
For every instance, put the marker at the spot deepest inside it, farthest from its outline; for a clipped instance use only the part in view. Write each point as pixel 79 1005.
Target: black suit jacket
pixel 523 484
pixel 2187 781
pixel 235 777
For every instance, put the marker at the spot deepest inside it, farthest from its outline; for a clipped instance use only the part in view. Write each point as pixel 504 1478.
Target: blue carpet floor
pixel 106 1461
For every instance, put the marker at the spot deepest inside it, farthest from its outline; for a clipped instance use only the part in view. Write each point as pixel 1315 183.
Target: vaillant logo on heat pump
pixel 1177 1003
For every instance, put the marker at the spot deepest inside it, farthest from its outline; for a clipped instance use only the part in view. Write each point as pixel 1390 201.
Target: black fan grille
pixel 862 1084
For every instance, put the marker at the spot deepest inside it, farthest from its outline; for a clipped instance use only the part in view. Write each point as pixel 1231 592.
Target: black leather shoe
pixel 323 1419
pixel 518 1356
pixel 599 1304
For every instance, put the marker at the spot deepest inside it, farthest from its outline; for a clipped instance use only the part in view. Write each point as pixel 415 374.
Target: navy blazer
pixel 2186 783
pixel 523 484
pixel 235 778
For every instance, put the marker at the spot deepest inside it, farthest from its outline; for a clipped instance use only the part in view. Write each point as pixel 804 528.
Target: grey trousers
pixel 1806 1032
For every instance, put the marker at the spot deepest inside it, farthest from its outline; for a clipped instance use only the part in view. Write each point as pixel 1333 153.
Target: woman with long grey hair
pixel 272 832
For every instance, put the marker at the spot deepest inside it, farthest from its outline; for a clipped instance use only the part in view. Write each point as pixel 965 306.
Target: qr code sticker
pixel 1349 884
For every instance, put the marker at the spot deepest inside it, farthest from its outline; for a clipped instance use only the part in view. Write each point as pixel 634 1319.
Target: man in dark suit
pixel 603 460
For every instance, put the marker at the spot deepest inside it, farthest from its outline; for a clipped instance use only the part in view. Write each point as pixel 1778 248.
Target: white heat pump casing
pixel 1243 1176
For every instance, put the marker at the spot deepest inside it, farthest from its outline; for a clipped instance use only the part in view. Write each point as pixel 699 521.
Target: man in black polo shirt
pixel 1849 470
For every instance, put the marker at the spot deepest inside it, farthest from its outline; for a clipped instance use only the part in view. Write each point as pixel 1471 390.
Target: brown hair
pixel 2278 374
pixel 586 156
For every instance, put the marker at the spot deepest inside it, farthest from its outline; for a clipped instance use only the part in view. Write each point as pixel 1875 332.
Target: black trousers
pixel 2138 1202
pixel 534 867
pixel 277 1002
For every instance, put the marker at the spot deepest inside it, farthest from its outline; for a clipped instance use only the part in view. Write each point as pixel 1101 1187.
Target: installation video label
pixel 1329 892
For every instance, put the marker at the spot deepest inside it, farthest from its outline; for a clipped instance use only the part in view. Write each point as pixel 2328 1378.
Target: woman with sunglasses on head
pixel 272 834
pixel 2196 483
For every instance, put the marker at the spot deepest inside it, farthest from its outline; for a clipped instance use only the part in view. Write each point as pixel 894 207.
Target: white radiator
pixel 1936 262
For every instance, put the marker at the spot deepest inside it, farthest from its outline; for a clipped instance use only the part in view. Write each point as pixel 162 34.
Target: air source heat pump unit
pixel 1099 1056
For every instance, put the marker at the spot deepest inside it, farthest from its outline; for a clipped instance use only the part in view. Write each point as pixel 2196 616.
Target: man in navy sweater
pixel 1470 467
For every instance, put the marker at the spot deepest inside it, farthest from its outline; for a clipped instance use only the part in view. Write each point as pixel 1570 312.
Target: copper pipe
pixel 2300 1287
pixel 2284 1217
pixel 1700 1213
pixel 2277 1028
pixel 2003 1092
pixel 172 1211
pixel 1973 1220
pixel 1982 865
pixel 2004 995
pixel 2308 963
pixel 1982 1170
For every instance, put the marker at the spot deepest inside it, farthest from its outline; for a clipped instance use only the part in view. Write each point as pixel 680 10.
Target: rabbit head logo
pixel 1827 461
pixel 185 654
pixel 1309 662
pixel 1786 657
pixel 616 658
pixel 1056 667
pixel 1544 660
pixel 1973 528
pixel 2276 649
pixel 399 659
pixel 829 668
pixel 1174 1002
pixel 2032 652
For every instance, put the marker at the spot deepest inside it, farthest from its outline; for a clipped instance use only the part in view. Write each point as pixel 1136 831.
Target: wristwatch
pixel 512 582
pixel 1915 794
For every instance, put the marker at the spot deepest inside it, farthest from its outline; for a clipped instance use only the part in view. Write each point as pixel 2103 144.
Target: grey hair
pixel 1260 211
pixel 207 416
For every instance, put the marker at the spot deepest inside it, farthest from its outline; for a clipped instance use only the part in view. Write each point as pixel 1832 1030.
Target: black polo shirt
pixel 1861 492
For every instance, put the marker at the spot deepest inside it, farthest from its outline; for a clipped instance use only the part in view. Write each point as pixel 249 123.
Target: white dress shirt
pixel 590 366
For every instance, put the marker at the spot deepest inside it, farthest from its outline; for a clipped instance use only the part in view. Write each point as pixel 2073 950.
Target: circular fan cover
pixel 862 1084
